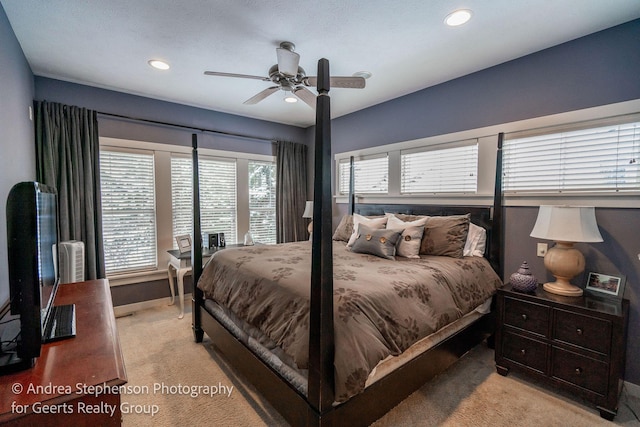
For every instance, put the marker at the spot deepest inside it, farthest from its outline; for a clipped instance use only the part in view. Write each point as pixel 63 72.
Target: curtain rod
pixel 157 122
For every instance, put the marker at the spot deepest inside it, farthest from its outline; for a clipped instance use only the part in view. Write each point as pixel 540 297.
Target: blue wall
pixel 602 68
pixel 112 102
pixel 16 131
pixel 599 69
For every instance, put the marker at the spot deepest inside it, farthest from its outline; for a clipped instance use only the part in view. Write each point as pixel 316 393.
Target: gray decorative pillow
pixel 445 235
pixel 344 229
pixel 374 222
pixel 378 242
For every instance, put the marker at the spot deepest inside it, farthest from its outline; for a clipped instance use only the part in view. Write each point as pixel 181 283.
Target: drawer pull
pixel 578 371
pixel 524 317
pixel 523 351
pixel 579 331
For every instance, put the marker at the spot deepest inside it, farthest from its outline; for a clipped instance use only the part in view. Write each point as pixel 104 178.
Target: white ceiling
pixel 403 43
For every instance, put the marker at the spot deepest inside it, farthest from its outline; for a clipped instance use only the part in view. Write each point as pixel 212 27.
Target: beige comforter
pixel 381 306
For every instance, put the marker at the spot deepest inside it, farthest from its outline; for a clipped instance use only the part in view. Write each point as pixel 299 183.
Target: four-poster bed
pixel 315 401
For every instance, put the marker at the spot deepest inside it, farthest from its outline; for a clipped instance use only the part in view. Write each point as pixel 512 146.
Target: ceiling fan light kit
pixel 363 74
pixel 287 75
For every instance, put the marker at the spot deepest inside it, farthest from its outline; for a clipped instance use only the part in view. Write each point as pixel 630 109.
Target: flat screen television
pixel 32 240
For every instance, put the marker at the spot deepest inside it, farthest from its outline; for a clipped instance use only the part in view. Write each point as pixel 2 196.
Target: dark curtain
pixel 291 191
pixel 67 158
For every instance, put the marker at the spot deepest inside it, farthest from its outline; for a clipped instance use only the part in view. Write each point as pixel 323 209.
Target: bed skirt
pixel 281 363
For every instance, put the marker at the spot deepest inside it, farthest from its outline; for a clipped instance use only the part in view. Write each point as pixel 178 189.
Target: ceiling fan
pixel 288 76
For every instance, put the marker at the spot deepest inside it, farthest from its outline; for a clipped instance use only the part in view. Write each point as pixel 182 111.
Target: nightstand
pixel 573 343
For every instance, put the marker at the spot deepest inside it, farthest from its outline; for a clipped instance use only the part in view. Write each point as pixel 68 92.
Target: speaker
pixel 214 240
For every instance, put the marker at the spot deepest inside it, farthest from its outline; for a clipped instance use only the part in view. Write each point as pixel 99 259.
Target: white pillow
pixel 412 231
pixel 374 223
pixel 476 241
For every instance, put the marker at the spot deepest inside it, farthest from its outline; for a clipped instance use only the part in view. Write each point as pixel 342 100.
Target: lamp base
pixel 564 262
pixel 310 227
pixel 560 288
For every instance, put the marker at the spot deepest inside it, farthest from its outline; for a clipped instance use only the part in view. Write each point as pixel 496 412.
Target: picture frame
pixel 184 243
pixel 605 285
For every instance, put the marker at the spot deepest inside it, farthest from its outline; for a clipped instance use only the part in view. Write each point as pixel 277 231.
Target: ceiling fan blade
pixel 261 95
pixel 343 82
pixel 243 76
pixel 306 95
pixel 287 61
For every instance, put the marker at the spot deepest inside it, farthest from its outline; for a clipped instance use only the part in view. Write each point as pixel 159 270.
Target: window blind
pixel 128 211
pixel 262 201
pixel 218 204
pixel 371 175
pixel 440 170
pixel 598 159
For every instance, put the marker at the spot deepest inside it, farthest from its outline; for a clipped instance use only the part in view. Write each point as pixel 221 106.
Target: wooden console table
pixel 70 375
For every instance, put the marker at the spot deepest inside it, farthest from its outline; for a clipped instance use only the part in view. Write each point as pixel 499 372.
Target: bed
pixel 312 324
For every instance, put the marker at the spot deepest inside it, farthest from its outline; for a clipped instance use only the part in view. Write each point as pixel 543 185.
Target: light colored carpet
pixel 165 368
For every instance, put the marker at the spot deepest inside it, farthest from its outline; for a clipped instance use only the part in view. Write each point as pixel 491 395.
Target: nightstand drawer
pixel 525 315
pixel 525 351
pixel 580 370
pixel 584 331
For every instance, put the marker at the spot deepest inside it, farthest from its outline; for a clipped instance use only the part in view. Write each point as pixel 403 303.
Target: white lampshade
pixel 308 210
pixel 567 224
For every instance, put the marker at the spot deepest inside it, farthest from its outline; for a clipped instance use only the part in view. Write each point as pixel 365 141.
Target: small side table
pixel 181 263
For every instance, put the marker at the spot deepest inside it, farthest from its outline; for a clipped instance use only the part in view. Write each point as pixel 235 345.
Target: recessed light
pixel 158 64
pixel 458 17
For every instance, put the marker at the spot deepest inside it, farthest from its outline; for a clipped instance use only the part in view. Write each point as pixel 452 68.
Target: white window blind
pixel 262 201
pixel 440 170
pixel 218 204
pixel 371 175
pixel 128 211
pixel 604 158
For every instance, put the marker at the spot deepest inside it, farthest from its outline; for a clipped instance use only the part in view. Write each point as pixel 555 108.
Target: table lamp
pixel 565 225
pixel 308 213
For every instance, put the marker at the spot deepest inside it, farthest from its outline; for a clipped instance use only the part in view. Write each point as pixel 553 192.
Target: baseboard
pixel 632 389
pixel 127 309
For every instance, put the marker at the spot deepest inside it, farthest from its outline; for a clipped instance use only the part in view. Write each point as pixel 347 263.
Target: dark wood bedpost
pixel 496 255
pixel 196 246
pixel 321 341
pixel 352 185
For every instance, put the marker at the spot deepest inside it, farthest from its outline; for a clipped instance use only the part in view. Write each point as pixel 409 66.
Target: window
pixel 262 201
pixel 147 201
pixel 371 175
pixel 440 170
pixel 603 158
pixel 218 210
pixel 128 211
